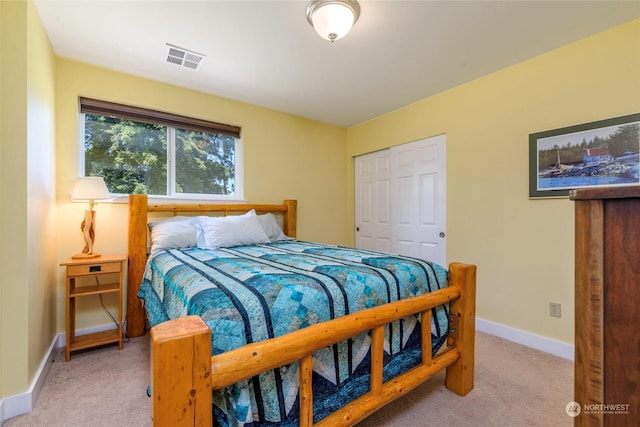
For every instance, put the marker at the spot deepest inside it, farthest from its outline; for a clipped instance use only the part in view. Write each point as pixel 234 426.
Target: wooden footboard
pixel 184 375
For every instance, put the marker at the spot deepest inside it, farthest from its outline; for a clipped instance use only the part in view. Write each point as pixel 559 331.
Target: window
pixel 142 151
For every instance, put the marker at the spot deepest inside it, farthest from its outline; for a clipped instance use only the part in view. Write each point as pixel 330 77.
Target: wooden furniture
pixel 139 233
pixel 183 373
pixel 607 318
pixel 94 271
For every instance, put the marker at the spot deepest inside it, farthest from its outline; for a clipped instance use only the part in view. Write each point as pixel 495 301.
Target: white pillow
pixel 226 231
pixel 172 233
pixel 272 227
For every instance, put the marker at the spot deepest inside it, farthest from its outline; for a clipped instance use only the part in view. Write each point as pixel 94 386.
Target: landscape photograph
pixel 601 156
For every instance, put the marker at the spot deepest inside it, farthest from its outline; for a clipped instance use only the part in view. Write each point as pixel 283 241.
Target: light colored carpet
pixel 514 386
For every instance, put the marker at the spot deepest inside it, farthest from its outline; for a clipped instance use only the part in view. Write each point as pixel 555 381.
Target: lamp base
pixel 86 256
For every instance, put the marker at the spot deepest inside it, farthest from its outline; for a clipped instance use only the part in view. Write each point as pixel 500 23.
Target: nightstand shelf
pixel 95 290
pixel 107 268
pixel 80 342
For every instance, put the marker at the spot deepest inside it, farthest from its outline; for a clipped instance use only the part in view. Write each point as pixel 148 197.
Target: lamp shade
pixel 332 20
pixel 90 188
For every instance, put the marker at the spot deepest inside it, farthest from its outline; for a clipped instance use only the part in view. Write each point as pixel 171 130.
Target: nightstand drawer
pixel 97 268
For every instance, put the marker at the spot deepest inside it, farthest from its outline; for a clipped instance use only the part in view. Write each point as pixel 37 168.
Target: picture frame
pixel 603 153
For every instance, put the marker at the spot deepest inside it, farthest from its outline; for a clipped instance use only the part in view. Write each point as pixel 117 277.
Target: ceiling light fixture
pixel 333 19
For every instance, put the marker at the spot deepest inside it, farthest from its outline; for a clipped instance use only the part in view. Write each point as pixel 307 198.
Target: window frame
pixel 171 122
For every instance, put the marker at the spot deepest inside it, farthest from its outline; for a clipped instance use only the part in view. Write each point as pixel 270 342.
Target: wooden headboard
pixel 138 233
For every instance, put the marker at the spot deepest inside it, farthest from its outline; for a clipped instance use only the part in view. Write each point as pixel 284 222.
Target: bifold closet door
pixel 401 200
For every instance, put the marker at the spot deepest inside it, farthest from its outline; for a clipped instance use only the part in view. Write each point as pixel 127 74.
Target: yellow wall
pixel 3 65
pixel 13 280
pixel 27 254
pixel 41 254
pixel 523 248
pixel 285 157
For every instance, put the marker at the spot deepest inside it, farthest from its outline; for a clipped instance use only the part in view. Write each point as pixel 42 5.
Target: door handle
pixel 442 234
pixel 357 228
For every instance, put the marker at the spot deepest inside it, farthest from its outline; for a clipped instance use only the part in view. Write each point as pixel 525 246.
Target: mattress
pixel 252 293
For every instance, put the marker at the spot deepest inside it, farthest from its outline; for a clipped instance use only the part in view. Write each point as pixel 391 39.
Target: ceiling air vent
pixel 183 57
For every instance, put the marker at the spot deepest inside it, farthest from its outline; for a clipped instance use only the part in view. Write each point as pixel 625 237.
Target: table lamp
pixel 89 188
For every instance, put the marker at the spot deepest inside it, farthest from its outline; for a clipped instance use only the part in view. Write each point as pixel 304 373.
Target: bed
pixel 345 323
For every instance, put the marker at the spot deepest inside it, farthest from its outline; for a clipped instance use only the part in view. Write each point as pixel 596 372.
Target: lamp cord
pixel 124 336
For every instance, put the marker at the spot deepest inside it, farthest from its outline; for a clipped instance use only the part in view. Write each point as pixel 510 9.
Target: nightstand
pixel 105 275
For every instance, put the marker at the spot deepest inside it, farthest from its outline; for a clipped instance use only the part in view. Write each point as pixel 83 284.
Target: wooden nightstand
pixel 109 268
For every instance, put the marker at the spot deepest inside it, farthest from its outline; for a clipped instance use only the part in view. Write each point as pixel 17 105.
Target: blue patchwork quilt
pixel 252 293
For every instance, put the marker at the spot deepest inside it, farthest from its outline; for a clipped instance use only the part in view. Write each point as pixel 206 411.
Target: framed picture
pixel 597 154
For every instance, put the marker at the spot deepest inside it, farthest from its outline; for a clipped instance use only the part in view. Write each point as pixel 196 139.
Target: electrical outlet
pixel 555 309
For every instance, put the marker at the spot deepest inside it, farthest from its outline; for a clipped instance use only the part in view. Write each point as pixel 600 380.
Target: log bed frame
pixel 183 372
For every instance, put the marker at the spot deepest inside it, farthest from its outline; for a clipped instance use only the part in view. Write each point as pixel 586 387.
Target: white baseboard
pixel 22 403
pixel 548 345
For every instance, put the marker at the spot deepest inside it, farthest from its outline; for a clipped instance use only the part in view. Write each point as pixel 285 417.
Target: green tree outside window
pixel 133 158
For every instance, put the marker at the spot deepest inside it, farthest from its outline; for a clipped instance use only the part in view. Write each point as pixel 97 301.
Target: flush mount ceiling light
pixel 333 19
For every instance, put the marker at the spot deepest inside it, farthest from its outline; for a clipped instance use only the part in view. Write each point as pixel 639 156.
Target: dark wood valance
pixel 144 115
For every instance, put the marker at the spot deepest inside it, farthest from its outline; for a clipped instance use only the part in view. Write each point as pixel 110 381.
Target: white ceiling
pixel 265 52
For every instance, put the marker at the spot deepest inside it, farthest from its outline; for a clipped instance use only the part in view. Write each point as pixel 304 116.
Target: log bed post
pixel 181 373
pixel 137 262
pixel 289 221
pixel 459 378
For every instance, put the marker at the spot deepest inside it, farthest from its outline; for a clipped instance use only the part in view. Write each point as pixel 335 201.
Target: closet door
pixel 419 199
pixel 373 204
pixel 401 200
